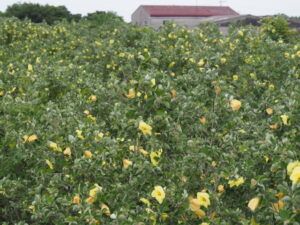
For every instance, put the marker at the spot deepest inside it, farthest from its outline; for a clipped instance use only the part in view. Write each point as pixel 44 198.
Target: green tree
pixel 102 18
pixel 38 13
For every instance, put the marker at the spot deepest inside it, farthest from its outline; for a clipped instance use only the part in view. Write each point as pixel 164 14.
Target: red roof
pixel 188 11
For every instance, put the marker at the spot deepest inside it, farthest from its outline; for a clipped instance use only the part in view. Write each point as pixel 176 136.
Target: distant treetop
pixel 38 13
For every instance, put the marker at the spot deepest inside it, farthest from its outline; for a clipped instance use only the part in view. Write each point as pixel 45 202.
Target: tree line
pixel 50 14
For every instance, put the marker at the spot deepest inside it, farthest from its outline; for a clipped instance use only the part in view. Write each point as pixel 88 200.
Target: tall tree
pixel 38 13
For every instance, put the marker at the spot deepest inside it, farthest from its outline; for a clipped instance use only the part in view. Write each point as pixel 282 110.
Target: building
pixel 190 16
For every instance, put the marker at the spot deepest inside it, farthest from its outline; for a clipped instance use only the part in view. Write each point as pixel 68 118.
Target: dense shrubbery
pixel 277 28
pixel 134 126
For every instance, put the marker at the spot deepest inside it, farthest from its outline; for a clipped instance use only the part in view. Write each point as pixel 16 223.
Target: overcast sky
pixel 125 8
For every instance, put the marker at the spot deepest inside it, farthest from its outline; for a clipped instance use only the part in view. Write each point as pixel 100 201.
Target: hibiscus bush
pixel 127 125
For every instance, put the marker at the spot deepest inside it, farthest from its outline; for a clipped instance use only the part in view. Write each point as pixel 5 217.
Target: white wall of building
pixel 140 17
pixel 190 22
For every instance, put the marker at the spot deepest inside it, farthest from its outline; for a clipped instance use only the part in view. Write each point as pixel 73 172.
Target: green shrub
pixel 126 125
pixel 277 28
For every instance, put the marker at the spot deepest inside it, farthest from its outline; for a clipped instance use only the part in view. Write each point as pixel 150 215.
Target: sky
pixel 125 8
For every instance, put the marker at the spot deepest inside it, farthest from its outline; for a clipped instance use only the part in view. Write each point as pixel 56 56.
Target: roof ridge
pixel 187 10
pixel 210 6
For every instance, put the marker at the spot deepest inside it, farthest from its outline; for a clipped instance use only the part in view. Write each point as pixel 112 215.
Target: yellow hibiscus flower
pixel 235 104
pixel 131 93
pixel 126 163
pixel 159 194
pixel 291 166
pixel 236 182
pixel 253 203
pixel 145 128
pixel 295 176
pixel 284 119
pixel 154 156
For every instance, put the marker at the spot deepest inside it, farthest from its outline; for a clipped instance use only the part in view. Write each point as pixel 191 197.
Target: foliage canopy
pixel 125 125
pixel 38 13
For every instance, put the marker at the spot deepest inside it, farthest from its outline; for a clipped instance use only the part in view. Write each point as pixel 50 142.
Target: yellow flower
pixel 146 201
pixel 98 43
pixel 29 67
pixel 32 208
pixel 91 117
pixel 145 128
pixel 105 209
pixel 235 77
pixel 154 156
pixel 93 192
pixel 145 153
pixel 203 199
pixel 269 111
pixel 278 205
pixel 88 154
pixel 200 213
pixel 202 120
pixel 271 86
pixel 284 119
pixel 220 188
pixel 204 223
pixel 253 203
pixel 280 195
pixel 67 151
pixel 158 193
pixel 174 93
pixel 30 138
pixel 126 163
pixel 131 93
pixel 49 164
pixel 111 41
pixel 266 158
pixel 235 104
pixel 201 63
pixel 295 176
pixel 236 182
pixel 90 200
pixel 194 204
pixel 79 134
pixel 153 82
pixel 291 166
pixel 152 218
pixel 223 60
pixel 100 135
pixel 164 216
pixel 76 199
pixel 93 98
pixel 132 148
pixel 54 146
